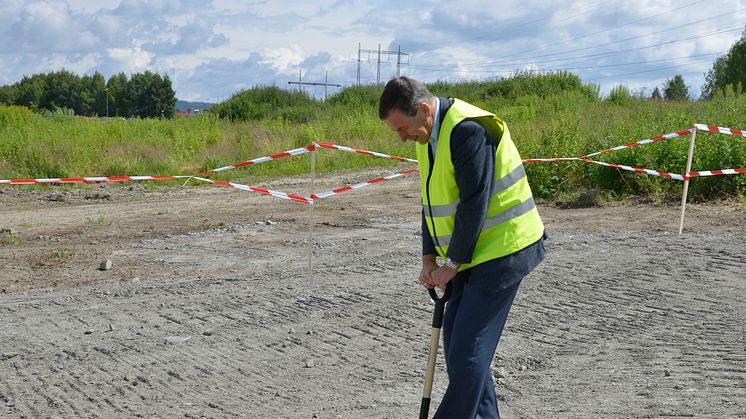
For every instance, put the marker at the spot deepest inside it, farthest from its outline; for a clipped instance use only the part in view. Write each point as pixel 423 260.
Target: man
pixel 478 214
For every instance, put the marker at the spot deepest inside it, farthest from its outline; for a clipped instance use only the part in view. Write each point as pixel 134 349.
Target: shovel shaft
pixel 440 303
pixel 429 374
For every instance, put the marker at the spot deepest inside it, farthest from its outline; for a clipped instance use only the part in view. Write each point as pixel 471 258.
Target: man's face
pixel 412 128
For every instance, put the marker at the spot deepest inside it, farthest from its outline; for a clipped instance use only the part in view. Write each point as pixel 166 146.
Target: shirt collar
pixel 436 123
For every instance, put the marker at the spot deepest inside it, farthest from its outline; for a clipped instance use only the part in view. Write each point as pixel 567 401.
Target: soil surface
pixel 210 309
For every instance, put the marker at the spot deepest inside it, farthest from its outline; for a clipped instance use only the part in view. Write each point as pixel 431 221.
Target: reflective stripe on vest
pixel 498 186
pixel 512 221
pixel 508 214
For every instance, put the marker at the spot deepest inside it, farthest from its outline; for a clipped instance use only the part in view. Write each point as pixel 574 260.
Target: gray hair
pixel 404 94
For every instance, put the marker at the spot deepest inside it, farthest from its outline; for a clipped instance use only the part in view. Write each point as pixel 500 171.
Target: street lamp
pixel 107 102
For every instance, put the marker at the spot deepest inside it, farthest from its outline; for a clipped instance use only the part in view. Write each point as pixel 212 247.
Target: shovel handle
pixel 440 302
pixel 446 294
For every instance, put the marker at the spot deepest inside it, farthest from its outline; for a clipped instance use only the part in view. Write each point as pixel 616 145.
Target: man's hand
pixel 442 276
pixel 432 276
pixel 428 266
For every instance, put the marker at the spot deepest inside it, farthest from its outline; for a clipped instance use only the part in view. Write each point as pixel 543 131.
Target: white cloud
pixel 225 45
pixel 186 39
pixel 281 59
pixel 46 25
pixel 130 59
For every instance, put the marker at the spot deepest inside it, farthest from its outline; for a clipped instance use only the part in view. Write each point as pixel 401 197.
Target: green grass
pixel 548 117
pixel 10 240
pixel 100 220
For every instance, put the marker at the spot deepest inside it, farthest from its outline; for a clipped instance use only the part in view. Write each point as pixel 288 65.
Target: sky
pixel 211 49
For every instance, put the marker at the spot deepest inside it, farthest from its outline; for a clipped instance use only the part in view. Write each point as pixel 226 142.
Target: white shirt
pixel 436 127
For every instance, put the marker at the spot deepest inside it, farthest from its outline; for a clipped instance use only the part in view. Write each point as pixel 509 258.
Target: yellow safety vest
pixel 512 221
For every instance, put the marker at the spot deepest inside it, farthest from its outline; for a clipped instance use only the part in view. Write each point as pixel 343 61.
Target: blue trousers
pixel 473 322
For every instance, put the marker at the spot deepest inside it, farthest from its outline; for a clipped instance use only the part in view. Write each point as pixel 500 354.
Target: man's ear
pixel 426 109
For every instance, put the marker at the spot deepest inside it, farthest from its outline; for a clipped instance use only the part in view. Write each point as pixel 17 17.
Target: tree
pixel 118 104
pixel 676 89
pixel 93 95
pixel 138 94
pixel 8 95
pixel 164 97
pixel 99 87
pixel 728 69
pixel 151 95
pixel 31 91
pixel 145 95
pixel 656 95
pixel 63 90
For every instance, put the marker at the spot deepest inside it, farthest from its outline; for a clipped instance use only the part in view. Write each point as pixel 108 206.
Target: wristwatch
pixel 450 264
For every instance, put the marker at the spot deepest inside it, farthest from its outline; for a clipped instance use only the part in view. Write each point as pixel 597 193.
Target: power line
pixel 642 62
pixel 659 69
pixel 647 71
pixel 381 53
pixel 588 56
pixel 505 32
pixel 614 28
pixel 590 67
pixel 504 61
pixel 326 83
pixel 632 38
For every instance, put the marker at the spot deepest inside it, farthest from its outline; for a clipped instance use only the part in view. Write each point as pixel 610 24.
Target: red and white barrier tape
pixel 313 197
pixel 263 191
pixel 715 172
pixel 638 170
pixel 550 159
pixel 294 152
pixel 721 130
pixel 360 185
pixel 641 142
pixel 366 152
pixel 86 179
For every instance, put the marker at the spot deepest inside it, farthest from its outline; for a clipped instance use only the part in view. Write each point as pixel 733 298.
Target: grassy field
pixel 549 116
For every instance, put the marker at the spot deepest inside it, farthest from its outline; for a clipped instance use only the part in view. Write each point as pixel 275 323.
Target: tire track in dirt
pixel 676 327
pixel 612 324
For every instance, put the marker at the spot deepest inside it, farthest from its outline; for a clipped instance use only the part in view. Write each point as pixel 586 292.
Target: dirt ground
pixel 210 309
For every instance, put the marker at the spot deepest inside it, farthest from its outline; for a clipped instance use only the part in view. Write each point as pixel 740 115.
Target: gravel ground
pixel 210 308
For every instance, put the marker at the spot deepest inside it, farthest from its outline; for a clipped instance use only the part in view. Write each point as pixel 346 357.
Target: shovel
pixel 440 303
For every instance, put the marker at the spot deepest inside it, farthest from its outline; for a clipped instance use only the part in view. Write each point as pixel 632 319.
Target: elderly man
pixel 479 216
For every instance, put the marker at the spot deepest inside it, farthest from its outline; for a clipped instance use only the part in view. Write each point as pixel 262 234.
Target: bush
pixel 357 97
pixel 263 102
pixel 525 83
pixel 14 115
pixel 620 95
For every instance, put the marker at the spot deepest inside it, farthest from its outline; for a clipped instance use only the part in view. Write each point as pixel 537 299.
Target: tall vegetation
pixel 522 84
pixel 620 95
pixel 143 95
pixel 548 116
